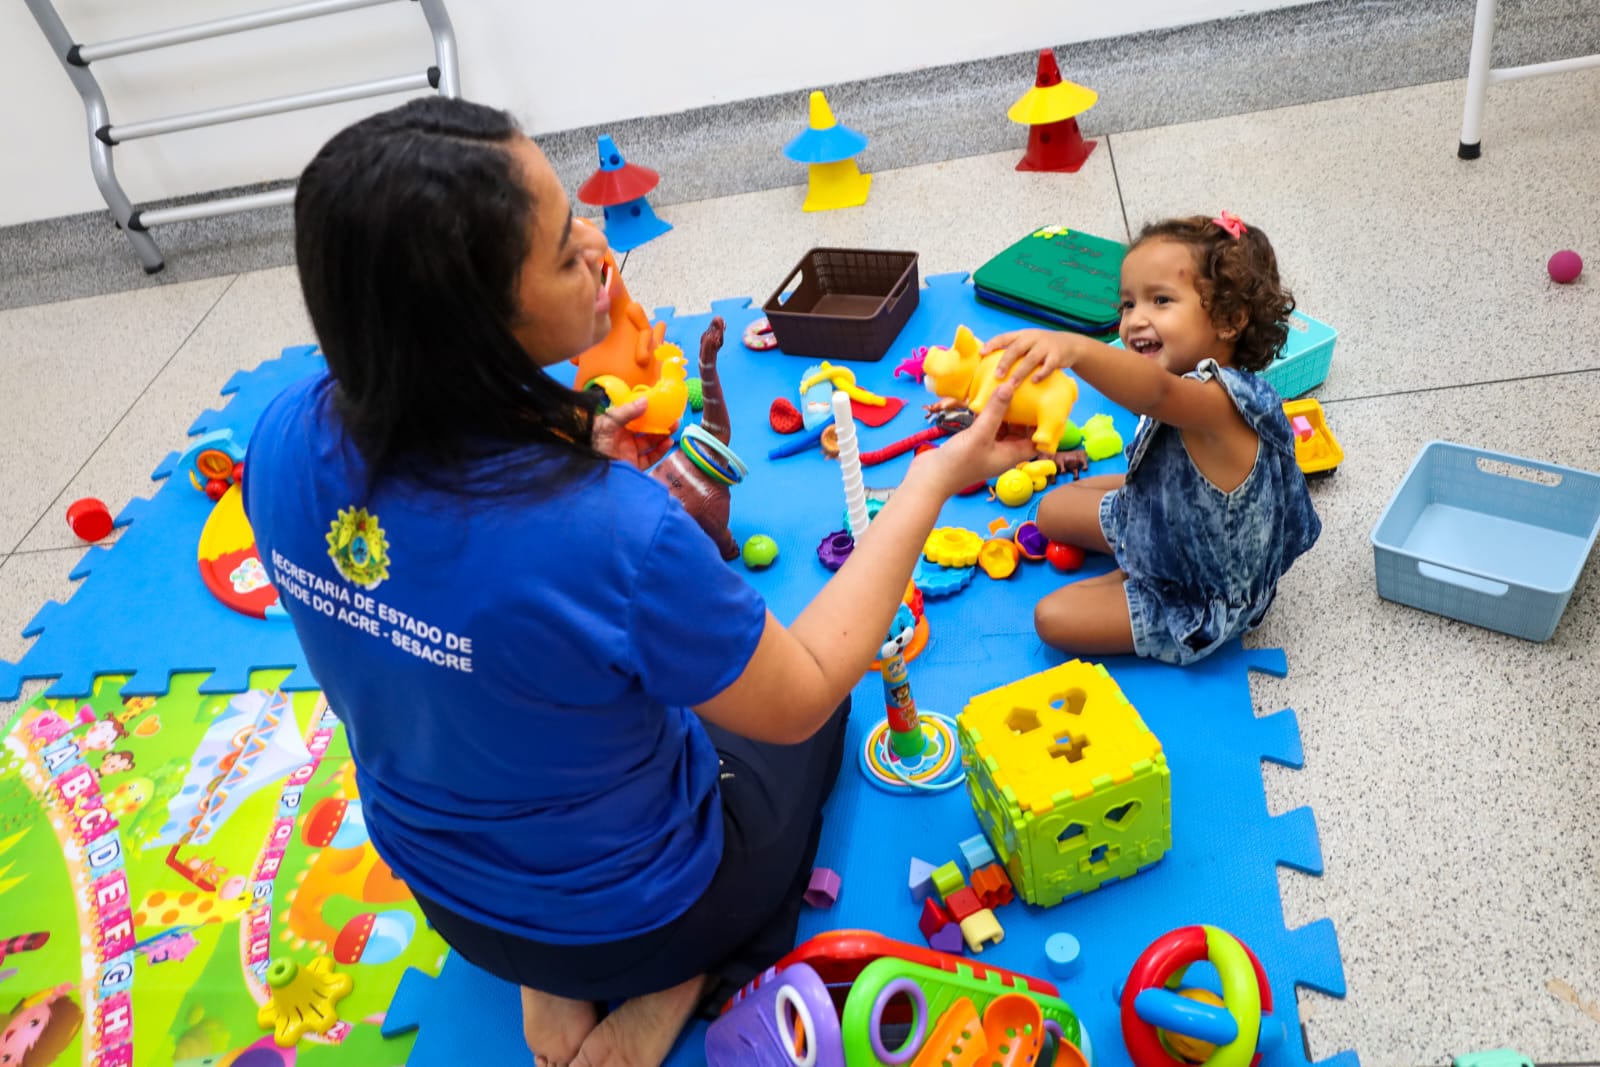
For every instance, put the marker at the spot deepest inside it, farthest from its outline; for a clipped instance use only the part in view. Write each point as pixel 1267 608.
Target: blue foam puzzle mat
pixel 1222 868
pixel 141 608
pixel 468 1014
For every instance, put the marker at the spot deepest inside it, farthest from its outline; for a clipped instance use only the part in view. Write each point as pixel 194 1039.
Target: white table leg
pixel 1478 70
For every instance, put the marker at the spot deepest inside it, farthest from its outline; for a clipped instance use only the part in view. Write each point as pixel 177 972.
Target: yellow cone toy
pixel 829 150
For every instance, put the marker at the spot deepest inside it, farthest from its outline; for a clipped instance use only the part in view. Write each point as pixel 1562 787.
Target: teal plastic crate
pixel 1486 538
pixel 1306 357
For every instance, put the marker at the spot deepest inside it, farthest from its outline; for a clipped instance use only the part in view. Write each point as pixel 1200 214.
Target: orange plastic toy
pixel 628 352
pixel 1011 1035
pixel 665 399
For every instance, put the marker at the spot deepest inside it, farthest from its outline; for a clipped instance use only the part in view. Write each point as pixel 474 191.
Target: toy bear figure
pixel 962 373
pixel 703 497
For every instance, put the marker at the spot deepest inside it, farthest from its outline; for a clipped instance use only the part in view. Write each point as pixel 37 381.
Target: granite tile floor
pixel 1451 769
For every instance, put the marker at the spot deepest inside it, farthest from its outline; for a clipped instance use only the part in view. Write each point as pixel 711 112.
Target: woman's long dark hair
pixel 410 232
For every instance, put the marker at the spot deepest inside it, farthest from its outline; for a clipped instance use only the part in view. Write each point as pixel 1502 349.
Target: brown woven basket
pixel 850 303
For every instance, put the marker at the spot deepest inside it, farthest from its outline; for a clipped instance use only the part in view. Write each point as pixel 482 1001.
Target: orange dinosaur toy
pixel 628 352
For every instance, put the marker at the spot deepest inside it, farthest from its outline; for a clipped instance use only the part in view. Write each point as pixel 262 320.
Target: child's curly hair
pixel 1238 284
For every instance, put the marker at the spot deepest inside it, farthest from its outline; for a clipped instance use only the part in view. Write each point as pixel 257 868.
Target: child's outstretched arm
pixel 1126 378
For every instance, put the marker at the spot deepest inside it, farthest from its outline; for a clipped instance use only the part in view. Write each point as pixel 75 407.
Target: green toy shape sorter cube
pixel 1070 786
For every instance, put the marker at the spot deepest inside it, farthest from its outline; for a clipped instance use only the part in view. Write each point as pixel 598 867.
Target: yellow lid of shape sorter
pixel 1059 735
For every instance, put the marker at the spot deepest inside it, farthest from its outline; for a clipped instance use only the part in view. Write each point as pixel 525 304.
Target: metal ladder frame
pixel 1481 74
pixel 104 135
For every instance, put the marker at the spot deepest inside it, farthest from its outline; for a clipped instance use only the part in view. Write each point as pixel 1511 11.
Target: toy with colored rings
pixel 718 474
pixel 711 447
pixel 938 767
pixel 758 336
pixel 1154 1004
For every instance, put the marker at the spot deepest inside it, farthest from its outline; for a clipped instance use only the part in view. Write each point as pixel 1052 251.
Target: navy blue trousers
pixel 772 797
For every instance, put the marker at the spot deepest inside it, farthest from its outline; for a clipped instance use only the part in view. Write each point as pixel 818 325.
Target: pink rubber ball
pixel 1565 266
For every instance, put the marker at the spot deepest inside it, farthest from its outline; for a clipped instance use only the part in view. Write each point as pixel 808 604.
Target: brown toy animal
pixel 702 496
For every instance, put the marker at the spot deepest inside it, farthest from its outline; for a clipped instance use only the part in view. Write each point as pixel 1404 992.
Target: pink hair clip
pixel 1232 223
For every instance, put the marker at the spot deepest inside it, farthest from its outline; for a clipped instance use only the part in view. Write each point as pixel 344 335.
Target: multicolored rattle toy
pixel 1166 1024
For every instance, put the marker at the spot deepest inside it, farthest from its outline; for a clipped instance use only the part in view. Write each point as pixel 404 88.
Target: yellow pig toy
pixel 962 373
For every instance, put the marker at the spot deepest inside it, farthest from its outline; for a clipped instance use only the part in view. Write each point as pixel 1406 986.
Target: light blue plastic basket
pixel 1490 539
pixel 1306 357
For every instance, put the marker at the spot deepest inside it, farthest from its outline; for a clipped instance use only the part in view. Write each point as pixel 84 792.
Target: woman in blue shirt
pixel 580 738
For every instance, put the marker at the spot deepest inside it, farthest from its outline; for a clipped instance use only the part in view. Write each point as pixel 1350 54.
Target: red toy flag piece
pixel 876 414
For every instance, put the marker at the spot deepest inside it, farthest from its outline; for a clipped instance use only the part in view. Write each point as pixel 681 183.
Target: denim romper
pixel 1203 565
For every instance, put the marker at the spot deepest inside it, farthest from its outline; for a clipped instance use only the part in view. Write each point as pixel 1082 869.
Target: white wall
pixel 554 71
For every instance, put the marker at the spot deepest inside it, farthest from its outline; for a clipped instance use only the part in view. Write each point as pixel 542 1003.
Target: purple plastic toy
pixel 1031 540
pixel 824 888
pixel 834 549
pixel 759 1030
pixel 948 940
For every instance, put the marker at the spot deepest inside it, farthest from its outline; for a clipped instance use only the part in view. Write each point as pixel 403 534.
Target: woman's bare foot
pixel 554 1027
pixel 641 1032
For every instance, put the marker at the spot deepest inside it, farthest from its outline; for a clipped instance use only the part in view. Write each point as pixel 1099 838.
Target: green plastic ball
pixel 1071 437
pixel 697 396
pixel 760 552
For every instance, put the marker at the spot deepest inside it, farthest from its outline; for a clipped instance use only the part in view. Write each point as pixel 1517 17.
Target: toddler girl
pixel 1213 509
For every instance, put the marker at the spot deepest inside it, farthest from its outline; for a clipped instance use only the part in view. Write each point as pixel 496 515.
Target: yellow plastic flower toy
pixel 951 546
pixel 303 1000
